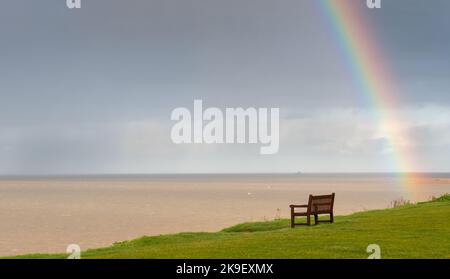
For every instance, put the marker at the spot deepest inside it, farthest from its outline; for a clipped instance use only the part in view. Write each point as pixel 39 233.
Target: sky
pixel 91 90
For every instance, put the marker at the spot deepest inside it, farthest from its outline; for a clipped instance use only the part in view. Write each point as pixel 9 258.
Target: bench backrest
pixel 321 204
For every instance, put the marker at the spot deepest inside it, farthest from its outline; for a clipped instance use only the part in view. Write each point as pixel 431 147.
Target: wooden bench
pixel 316 205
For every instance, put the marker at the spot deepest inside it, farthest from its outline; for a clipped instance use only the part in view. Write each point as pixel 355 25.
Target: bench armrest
pixel 297 206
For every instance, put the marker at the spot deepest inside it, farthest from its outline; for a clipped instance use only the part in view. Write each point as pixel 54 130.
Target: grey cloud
pixel 107 76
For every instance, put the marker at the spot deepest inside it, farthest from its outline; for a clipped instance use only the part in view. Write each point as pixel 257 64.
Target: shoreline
pixel 47 215
pixel 279 228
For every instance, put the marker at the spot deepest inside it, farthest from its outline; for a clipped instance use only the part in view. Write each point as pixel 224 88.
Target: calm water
pixel 45 214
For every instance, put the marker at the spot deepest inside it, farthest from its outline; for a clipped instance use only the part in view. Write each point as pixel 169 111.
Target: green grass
pixel 411 231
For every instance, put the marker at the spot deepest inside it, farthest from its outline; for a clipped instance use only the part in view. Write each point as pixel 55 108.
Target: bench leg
pixel 331 218
pixel 308 219
pixel 292 220
pixel 316 219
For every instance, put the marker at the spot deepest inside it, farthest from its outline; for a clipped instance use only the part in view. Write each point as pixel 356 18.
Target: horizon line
pixel 214 173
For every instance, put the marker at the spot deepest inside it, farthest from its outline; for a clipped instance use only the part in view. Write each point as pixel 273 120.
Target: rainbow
pixel 371 75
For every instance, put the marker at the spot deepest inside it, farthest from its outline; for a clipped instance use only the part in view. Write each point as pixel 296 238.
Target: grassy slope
pixel 412 231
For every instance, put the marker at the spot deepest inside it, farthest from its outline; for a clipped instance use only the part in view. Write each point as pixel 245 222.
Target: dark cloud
pixel 119 62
